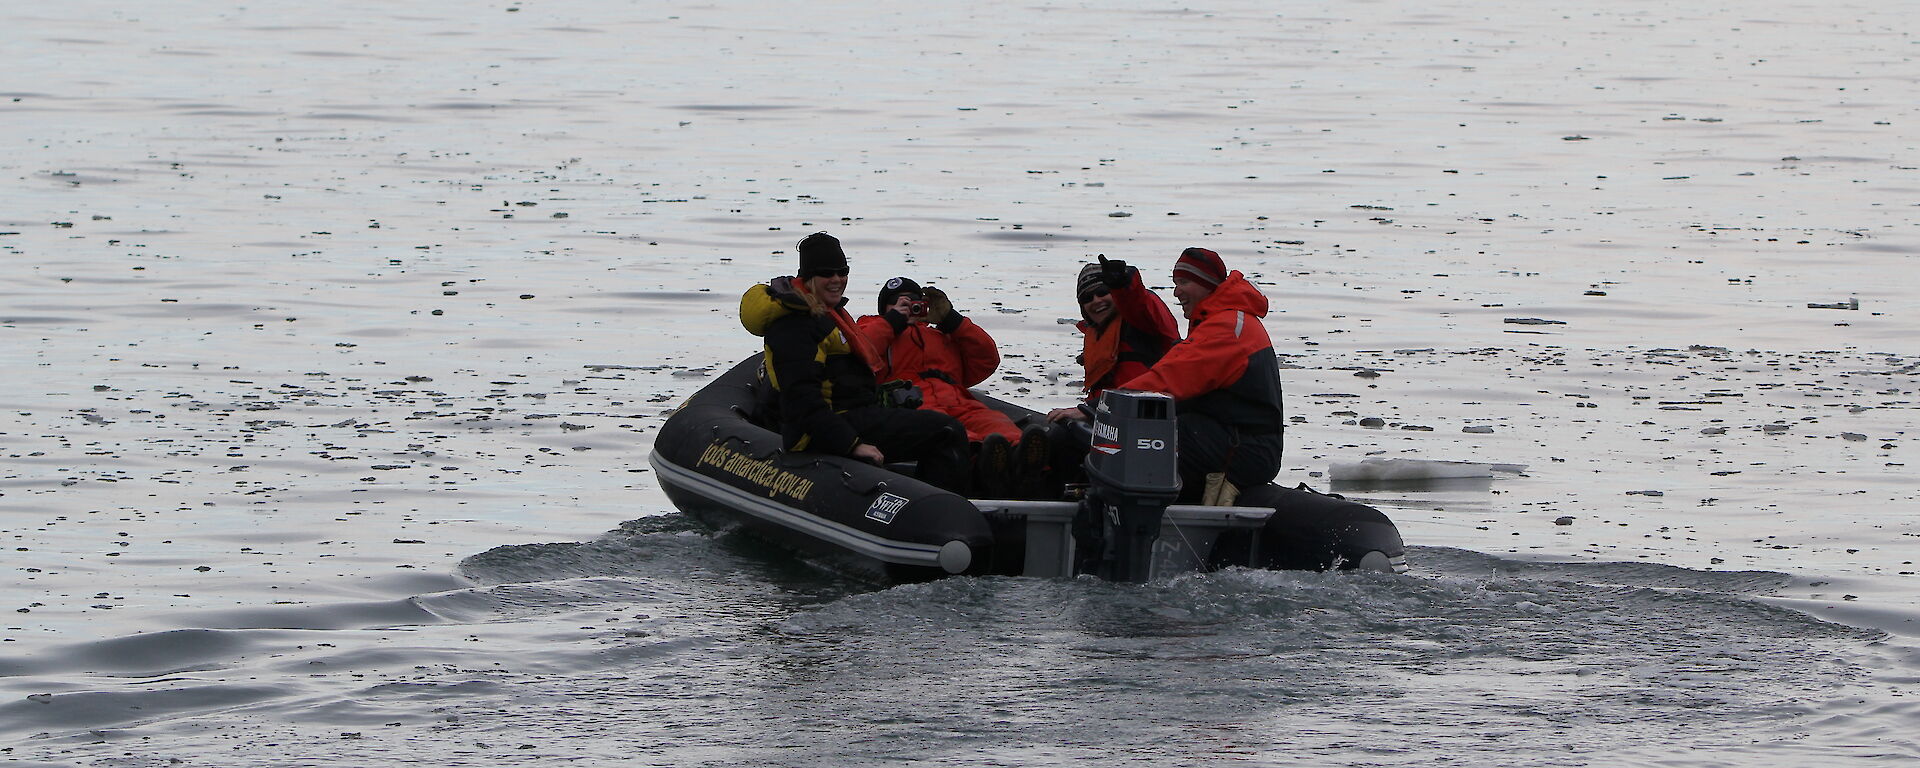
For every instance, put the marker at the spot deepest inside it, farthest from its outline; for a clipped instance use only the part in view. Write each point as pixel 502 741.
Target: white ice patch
pixel 1415 469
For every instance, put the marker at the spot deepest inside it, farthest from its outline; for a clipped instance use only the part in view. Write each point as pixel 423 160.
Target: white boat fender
pixel 955 556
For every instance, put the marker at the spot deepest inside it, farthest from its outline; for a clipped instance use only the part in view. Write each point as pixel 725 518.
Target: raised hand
pixel 940 313
pixel 1115 273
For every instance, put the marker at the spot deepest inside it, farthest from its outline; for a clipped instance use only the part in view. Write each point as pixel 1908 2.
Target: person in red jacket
pixel 925 341
pixel 1124 329
pixel 1224 377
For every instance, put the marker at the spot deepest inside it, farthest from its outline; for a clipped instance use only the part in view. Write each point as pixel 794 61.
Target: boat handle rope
pixel 846 481
pixel 728 441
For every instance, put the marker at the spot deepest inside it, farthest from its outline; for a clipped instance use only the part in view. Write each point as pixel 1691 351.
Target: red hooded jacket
pixel 1225 367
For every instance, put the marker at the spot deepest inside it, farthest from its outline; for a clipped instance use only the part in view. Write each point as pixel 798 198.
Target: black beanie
pixel 1090 277
pixel 820 253
pixel 892 290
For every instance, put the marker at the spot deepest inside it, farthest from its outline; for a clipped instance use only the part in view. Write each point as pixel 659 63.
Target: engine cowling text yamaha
pixel 1133 471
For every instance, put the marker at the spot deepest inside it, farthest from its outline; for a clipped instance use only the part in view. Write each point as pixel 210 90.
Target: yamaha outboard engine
pixel 1134 473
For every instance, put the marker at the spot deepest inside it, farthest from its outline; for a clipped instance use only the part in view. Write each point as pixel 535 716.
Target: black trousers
pixel 1208 445
pixel 934 439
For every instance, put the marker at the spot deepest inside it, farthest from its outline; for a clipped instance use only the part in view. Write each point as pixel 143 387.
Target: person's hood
pixel 1234 293
pixel 769 301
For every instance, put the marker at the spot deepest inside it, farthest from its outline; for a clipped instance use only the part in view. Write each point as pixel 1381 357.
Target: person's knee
pixel 948 426
pixel 1069 435
pixel 943 435
pixel 1201 455
pixel 923 422
pixel 1255 462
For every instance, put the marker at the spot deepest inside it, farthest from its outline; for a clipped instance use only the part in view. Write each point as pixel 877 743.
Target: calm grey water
pixel 338 334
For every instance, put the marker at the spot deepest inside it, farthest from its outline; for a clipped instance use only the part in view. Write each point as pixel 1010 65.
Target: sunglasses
pixel 1094 293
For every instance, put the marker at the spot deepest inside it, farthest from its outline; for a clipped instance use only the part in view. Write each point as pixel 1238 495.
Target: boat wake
pixel 675 647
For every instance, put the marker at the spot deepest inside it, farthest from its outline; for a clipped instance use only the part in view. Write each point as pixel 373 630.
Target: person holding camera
pixel 925 341
pixel 821 371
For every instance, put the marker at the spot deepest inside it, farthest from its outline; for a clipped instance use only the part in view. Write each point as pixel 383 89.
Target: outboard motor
pixel 1133 471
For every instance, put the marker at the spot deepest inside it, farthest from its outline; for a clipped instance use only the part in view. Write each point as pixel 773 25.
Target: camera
pixel 916 308
pixel 900 393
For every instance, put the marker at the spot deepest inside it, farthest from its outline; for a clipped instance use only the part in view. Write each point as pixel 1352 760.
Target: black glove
pixel 895 319
pixel 1115 273
pixel 940 310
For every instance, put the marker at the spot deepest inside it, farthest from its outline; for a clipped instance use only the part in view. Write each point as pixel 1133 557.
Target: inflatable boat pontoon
pixel 721 466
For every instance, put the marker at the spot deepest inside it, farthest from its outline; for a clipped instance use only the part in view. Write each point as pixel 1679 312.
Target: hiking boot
pixel 993 468
pixel 1034 481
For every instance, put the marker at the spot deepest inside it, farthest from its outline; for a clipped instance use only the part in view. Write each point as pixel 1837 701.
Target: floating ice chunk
pixel 1414 469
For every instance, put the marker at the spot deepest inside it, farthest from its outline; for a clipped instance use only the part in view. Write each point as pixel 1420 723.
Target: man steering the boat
pixel 926 342
pixel 1224 379
pixel 822 372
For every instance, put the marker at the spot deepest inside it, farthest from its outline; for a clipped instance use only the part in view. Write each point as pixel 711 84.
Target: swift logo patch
pixel 886 508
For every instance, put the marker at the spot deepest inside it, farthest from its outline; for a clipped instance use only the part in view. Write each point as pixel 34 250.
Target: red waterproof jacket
pixel 942 363
pixel 1225 367
pixel 1141 330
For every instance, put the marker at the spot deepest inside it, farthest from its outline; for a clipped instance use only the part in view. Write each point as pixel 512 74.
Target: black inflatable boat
pixel 726 470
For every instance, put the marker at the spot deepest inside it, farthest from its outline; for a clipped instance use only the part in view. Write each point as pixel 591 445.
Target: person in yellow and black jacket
pixel 822 373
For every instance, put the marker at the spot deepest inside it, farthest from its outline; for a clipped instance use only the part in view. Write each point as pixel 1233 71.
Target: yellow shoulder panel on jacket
pixel 758 308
